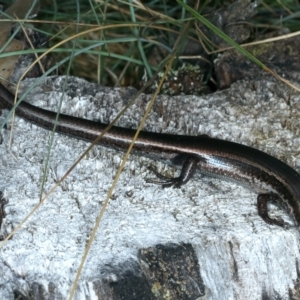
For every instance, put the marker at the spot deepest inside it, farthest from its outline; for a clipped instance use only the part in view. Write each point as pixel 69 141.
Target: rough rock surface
pixel 239 255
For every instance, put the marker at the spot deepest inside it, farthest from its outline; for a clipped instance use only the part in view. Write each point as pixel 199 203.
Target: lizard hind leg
pixel 262 206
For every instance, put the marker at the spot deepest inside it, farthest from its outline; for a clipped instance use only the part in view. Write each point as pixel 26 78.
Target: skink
pixel 272 179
